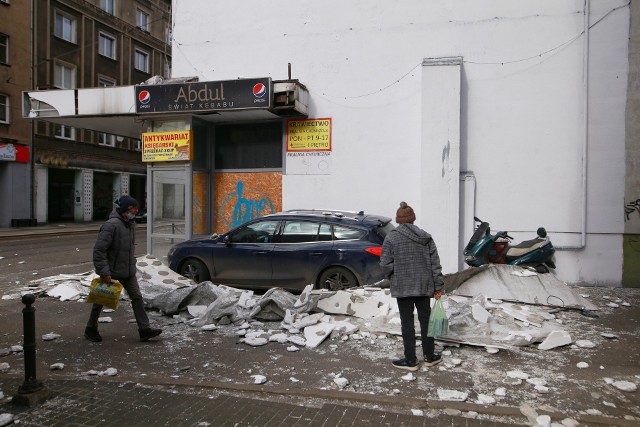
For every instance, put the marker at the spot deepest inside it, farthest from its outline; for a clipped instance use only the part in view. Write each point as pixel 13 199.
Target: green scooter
pixel 486 248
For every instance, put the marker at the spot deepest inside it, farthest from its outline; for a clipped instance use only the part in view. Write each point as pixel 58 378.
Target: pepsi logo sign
pixel 259 90
pixel 144 97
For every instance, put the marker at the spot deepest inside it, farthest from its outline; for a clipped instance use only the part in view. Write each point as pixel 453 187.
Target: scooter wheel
pixel 541 268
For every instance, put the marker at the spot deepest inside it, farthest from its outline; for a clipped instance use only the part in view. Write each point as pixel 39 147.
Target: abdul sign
pixel 229 95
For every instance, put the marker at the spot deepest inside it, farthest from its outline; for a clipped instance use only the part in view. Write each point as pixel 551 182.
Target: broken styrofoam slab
pixel 585 344
pixel 109 372
pixel 555 339
pixel 196 310
pixel 517 374
pixel 292 348
pixel 417 412
pixel 453 395
pixel 254 341
pixel 307 320
pixel 341 382
pixel 625 385
pixel 409 377
pixel 317 333
pixel 521 313
pixel 344 327
pixel 582 365
pixel 480 314
pixel 67 291
pixel 338 303
pixel 280 337
pixel 209 327
pixel 259 379
pixel 105 319
pixel 50 336
pixel 484 399
pixel 297 340
pixel 608 335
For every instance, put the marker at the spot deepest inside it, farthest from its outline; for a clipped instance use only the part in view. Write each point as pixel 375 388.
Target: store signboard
pixel 14 153
pixel 167 146
pixel 309 135
pixel 228 95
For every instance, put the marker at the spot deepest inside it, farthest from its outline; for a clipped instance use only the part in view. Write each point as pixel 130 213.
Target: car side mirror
pixel 226 240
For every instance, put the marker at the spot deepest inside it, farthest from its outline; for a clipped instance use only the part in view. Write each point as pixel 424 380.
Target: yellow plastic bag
pixel 107 294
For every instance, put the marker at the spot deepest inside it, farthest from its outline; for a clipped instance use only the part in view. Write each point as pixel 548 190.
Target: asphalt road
pixel 25 258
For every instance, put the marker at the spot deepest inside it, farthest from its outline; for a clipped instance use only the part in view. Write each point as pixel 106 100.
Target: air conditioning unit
pixel 290 98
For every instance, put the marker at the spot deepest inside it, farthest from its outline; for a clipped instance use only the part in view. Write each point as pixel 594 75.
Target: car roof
pixel 336 215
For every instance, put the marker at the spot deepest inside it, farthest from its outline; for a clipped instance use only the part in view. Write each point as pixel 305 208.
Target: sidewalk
pixel 106 403
pixel 55 228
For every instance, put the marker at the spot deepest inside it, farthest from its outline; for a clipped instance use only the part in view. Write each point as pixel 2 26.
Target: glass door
pixel 169 213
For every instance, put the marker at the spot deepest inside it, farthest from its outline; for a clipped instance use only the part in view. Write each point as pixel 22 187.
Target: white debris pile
pixel 497 307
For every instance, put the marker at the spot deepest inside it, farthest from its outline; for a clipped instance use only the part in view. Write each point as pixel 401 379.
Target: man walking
pixel 114 258
pixel 410 260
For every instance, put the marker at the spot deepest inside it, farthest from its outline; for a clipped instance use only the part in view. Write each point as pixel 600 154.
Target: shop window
pixel 65 27
pixel 4 49
pixel 248 146
pixel 107 46
pixel 4 108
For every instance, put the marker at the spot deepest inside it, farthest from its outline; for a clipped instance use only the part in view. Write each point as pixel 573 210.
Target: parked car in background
pixel 141 216
pixel 330 249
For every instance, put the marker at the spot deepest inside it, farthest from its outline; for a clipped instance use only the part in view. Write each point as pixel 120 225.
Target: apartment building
pixel 74 174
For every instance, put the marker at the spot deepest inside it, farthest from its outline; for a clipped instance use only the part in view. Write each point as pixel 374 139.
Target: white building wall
pixel 522 107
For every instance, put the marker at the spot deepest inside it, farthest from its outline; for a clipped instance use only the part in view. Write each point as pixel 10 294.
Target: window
pixel 108 6
pixel 248 146
pixel 344 233
pixel 64 76
pixel 142 20
pixel 259 232
pixel 106 81
pixel 65 132
pixel 138 145
pixel 4 49
pixel 4 108
pixel 107 46
pixel 106 139
pixel 141 61
pixel 65 27
pixel 305 232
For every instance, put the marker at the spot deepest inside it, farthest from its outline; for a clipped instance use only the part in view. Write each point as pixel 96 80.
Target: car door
pixel 244 256
pixel 300 253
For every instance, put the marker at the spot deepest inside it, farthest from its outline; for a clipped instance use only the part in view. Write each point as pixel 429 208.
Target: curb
pixel 348 397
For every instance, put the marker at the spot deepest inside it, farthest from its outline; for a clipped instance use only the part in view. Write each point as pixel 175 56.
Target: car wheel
pixel 336 278
pixel 195 270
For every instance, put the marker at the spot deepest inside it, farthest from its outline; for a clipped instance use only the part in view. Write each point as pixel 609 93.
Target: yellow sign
pixel 167 146
pixel 309 135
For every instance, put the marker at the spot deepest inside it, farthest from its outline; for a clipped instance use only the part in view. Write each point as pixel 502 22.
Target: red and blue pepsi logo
pixel 144 97
pixel 259 90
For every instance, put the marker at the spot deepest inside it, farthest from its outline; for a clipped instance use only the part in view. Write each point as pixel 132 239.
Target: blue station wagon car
pixel 330 249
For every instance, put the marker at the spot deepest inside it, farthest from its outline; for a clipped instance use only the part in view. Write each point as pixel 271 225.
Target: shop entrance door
pixel 169 215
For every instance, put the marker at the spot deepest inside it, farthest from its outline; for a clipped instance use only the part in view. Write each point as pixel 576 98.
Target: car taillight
pixel 374 250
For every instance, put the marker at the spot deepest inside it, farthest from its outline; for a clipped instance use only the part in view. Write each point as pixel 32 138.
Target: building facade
pixel 516 114
pixel 512 113
pixel 75 173
pixel 15 132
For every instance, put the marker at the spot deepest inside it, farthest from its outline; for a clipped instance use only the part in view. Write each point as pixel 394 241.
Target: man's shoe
pixel 406 364
pixel 92 334
pixel 433 360
pixel 145 334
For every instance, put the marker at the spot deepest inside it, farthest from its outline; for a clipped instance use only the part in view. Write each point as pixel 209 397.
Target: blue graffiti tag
pixel 244 209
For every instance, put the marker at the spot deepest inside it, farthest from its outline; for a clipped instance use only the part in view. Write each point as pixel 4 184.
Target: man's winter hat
pixel 124 203
pixel 405 214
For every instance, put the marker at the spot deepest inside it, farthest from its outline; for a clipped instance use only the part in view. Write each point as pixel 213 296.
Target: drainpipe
pixel 585 142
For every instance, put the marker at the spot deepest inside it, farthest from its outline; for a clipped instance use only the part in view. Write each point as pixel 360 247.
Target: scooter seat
pixel 525 247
